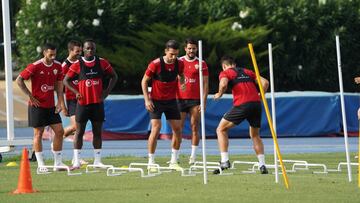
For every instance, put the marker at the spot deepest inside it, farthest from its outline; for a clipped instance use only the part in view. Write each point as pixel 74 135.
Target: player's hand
pixel 217 96
pixel 78 96
pixel 65 111
pixel 58 108
pixel 357 80
pixel 183 87
pixel 358 113
pixel 34 101
pixel 105 94
pixel 149 105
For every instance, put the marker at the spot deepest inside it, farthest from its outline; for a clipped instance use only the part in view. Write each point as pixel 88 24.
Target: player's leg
pixel 195 137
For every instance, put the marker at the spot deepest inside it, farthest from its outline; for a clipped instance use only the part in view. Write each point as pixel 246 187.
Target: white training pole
pixel 203 137
pixel 343 107
pixel 8 70
pixel 273 112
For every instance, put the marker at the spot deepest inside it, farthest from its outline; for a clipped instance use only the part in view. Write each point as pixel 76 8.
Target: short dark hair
pixel 89 41
pixel 173 44
pixel 47 46
pixel 190 41
pixel 73 43
pixel 227 60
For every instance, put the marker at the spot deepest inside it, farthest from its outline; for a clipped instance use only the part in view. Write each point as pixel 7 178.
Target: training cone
pixel 25 183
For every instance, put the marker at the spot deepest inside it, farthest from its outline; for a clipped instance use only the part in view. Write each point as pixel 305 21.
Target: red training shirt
pixel 163 90
pixel 243 92
pixel 192 80
pixel 90 89
pixel 68 93
pixel 43 79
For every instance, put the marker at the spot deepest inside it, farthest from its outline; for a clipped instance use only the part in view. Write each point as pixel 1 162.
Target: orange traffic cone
pixel 25 183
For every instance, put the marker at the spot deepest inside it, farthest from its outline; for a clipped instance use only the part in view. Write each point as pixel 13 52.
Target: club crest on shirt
pixel 196 66
pixel 55 71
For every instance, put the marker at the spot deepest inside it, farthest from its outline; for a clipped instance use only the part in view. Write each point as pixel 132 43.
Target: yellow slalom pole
pixel 359 158
pixel 268 115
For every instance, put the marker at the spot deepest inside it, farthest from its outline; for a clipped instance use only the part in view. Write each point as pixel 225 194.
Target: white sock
pixel 174 156
pixel 224 156
pixel 261 159
pixel 57 157
pixel 193 151
pixel 40 159
pixel 151 158
pixel 97 156
pixel 76 157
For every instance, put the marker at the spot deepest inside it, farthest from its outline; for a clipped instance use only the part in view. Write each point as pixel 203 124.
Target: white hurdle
pixel 159 169
pixel 209 165
pixel 112 171
pixel 342 164
pixel 43 170
pixel 94 167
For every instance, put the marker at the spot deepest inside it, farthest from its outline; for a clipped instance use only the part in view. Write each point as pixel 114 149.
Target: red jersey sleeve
pixel 74 70
pixel 205 69
pixel 151 69
pixel 181 66
pixel 28 71
pixel 65 68
pixel 105 65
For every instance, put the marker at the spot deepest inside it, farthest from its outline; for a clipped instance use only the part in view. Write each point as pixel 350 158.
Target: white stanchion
pixel 343 107
pixel 273 111
pixel 203 136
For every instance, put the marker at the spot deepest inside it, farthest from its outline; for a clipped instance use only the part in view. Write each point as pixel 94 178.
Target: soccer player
pixel 46 78
pixel 189 100
pixel 246 105
pixel 164 73
pixel 91 71
pixel 74 49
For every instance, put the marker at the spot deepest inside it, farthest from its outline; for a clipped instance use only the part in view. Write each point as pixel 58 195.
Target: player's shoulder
pixel 36 63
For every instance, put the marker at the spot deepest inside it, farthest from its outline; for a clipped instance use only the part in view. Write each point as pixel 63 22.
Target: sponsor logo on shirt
pixel 75 82
pixel 46 88
pixel 91 72
pixel 242 76
pixel 90 83
pixel 190 80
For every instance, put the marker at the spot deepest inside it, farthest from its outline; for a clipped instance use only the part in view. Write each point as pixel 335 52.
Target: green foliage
pixel 131 54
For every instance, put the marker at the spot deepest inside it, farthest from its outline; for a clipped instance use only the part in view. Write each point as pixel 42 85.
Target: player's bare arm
pixel 144 86
pixel 20 82
pixel 222 88
pixel 112 82
pixel 59 88
pixel 66 82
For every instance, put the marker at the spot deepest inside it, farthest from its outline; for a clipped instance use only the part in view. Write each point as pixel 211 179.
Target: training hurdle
pixel 209 165
pixel 94 167
pixel 342 164
pixel 112 171
pixel 156 169
pixel 43 170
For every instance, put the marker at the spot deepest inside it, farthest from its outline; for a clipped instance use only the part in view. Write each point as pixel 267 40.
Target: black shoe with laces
pixel 223 166
pixel 263 170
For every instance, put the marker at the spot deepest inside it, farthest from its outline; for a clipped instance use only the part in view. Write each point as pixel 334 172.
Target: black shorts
pixel 169 107
pixel 71 106
pixel 186 104
pixel 92 112
pixel 250 111
pixel 41 117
